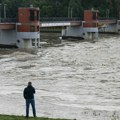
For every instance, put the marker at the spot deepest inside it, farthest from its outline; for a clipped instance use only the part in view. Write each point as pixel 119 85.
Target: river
pixel 73 79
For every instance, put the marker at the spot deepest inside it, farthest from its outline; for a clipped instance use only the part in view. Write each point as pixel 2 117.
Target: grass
pixel 12 117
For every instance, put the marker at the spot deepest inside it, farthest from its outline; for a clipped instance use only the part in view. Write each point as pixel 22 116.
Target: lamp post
pixel 71 12
pixel 119 14
pixel 107 13
pixel 68 12
pixel 0 12
pixel 4 11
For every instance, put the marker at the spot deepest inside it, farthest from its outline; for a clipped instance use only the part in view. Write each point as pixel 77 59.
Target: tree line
pixel 62 8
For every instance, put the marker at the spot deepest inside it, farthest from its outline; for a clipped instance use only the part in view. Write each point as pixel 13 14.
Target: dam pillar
pixel 28 28
pixel 88 29
pixel 90 24
pixel 118 26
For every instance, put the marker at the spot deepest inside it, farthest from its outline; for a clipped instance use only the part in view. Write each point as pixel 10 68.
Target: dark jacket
pixel 29 92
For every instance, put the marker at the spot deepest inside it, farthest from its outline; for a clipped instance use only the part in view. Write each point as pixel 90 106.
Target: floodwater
pixel 73 79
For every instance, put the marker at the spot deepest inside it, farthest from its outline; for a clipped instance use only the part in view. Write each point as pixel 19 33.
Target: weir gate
pixel 24 32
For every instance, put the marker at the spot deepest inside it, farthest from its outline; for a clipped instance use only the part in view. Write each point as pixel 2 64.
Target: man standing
pixel 28 94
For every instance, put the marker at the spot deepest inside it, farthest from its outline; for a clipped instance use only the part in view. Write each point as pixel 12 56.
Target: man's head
pixel 29 83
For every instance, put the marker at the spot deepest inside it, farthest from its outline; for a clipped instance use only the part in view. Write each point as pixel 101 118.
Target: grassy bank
pixel 11 117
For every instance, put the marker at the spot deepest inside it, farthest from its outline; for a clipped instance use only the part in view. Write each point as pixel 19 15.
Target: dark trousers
pixel 32 102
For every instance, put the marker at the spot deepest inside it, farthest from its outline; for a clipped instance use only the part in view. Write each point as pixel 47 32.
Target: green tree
pixel 75 8
pixel 63 8
pixel 117 3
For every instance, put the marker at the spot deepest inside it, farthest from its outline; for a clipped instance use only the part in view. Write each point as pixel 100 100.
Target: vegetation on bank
pixel 63 8
pixel 12 117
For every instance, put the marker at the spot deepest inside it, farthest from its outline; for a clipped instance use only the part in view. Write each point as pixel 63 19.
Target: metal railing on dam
pixel 42 19
pixel 46 19
pixel 8 20
pixel 54 19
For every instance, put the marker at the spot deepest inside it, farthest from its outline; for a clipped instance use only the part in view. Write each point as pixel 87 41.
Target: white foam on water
pixel 75 80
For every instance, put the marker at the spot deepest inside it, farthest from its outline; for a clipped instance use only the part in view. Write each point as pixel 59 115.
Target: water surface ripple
pixel 74 80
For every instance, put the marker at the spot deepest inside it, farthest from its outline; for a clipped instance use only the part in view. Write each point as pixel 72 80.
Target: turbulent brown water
pixel 73 79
